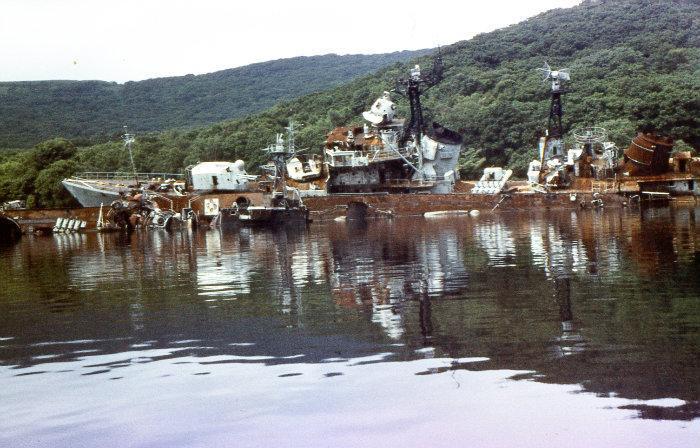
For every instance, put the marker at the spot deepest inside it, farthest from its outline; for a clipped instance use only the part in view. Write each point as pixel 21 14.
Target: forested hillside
pixel 635 64
pixel 37 110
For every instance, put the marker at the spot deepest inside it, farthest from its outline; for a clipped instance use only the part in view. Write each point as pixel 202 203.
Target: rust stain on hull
pixel 417 204
pixel 331 206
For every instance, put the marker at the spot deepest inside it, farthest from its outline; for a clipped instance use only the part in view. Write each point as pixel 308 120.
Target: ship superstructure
pixel 92 189
pixel 387 154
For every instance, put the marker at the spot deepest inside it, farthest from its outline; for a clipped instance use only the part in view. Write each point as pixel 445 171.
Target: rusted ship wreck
pixel 406 167
pixel 386 154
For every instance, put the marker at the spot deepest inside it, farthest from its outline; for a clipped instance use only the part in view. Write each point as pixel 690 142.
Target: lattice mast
pixel 556 77
pixel 413 87
pixel 279 153
pixel 128 142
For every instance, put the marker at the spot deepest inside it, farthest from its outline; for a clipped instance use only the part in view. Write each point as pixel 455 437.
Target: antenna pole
pixel 128 141
pixel 416 124
pixel 290 138
pixel 554 127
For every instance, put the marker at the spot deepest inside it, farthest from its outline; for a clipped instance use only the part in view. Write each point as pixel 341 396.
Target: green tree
pixel 48 189
pixel 50 151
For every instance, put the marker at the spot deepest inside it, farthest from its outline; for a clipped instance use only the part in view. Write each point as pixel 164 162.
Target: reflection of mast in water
pixel 569 342
pixel 562 293
pixel 377 268
pixel 289 294
pixel 425 316
pixel 560 255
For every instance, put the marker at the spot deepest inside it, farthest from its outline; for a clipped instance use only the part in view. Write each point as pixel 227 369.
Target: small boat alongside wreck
pixel 285 210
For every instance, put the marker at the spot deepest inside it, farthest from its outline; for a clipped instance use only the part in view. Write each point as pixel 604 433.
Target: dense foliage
pixel 35 175
pixel 37 110
pixel 635 65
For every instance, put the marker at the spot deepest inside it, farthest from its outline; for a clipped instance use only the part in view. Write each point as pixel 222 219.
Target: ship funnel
pixel 647 154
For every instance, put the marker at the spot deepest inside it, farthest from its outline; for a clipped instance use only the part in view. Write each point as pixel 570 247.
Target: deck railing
pixel 126 176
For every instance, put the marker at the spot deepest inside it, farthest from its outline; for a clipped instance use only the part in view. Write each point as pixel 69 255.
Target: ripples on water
pixel 509 329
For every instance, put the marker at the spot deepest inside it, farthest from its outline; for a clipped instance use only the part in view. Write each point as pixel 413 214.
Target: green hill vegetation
pixel 635 65
pixel 37 110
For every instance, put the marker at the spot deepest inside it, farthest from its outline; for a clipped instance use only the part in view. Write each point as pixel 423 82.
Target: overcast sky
pixel 138 39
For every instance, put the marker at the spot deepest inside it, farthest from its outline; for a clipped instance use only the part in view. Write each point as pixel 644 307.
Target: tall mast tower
pixel 555 130
pixel 128 142
pixel 413 87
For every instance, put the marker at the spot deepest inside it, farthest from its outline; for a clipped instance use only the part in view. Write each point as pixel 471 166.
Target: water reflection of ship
pixel 357 281
pixel 223 273
pixel 566 244
pixel 286 257
pixel 569 342
pixel 496 239
pixel 517 331
pixel 376 269
pixel 654 242
pixel 373 267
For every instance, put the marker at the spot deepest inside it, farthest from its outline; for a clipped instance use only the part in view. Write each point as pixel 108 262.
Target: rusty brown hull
pixel 328 207
pixel 417 204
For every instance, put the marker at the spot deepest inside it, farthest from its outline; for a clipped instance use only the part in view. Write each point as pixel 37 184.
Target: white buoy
pixel 440 213
pixel 474 213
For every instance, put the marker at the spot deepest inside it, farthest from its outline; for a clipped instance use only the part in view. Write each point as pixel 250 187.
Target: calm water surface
pixel 541 329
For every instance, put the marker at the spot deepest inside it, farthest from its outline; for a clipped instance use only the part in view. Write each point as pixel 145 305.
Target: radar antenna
pixel 554 127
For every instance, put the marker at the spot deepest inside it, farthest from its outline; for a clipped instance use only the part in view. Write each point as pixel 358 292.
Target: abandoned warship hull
pixel 91 195
pixel 331 206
